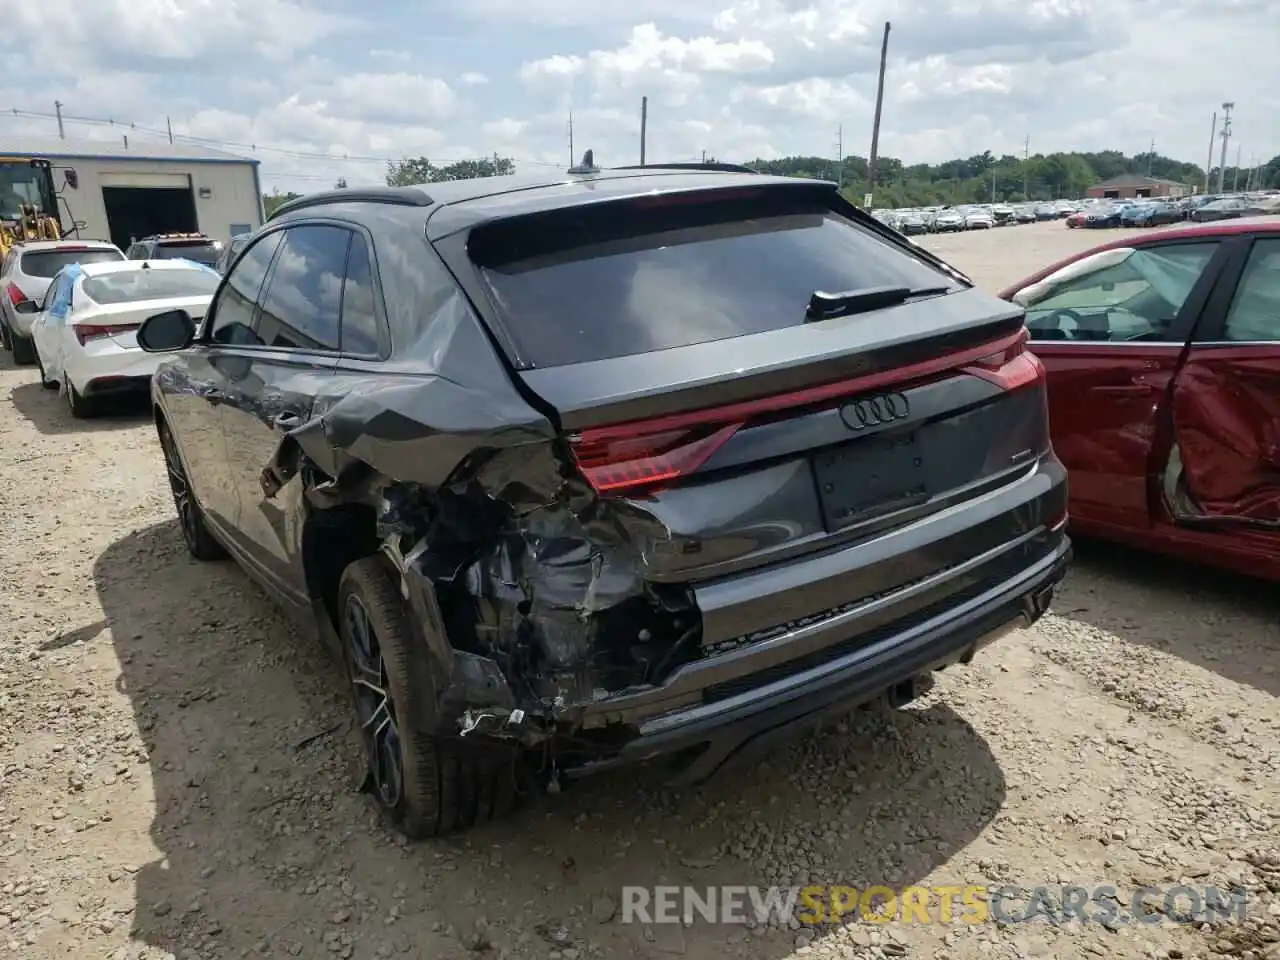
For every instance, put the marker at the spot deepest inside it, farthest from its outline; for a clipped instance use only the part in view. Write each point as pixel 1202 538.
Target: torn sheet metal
pixel 1226 419
pixel 527 590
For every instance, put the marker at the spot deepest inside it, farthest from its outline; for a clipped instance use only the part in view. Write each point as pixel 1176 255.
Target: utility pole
pixel 57 108
pixel 572 155
pixel 644 125
pixel 1151 156
pixel 875 124
pixel 1235 183
pixel 704 156
pixel 993 184
pixel 840 155
pixel 169 126
pixel 1213 135
pixel 1226 137
pixel 1026 170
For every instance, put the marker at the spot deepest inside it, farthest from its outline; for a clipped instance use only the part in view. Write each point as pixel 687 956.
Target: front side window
pixel 234 307
pixel 302 304
pixel 1117 295
pixel 1254 314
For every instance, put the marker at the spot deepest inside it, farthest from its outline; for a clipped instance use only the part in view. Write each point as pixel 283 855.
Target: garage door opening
pixel 137 212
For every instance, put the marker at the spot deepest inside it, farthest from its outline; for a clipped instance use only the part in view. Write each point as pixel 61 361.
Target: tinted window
pixel 626 278
pixel 1122 294
pixel 45 263
pixel 1255 309
pixel 205 252
pixel 301 306
pixel 233 309
pixel 359 318
pixel 124 286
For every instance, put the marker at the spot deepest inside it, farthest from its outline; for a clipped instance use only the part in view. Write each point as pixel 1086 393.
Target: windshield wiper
pixel 828 306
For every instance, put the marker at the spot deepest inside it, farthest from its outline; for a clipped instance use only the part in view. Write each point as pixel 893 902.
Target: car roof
pixel 456 205
pixel 125 266
pixel 1269 223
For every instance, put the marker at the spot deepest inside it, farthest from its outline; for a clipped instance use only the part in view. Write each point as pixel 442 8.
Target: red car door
pixel 1225 403
pixel 1111 328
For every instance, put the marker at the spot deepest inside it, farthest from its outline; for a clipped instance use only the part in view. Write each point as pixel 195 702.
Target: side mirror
pixel 166 332
pixel 71 178
pixel 26 306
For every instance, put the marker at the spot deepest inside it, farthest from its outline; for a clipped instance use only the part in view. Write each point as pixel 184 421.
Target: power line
pixel 283 152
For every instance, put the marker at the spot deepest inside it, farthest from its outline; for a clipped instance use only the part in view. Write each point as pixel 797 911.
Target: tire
pixel 5 340
pixel 80 408
pixel 24 350
pixel 195 532
pixel 44 379
pixel 423 785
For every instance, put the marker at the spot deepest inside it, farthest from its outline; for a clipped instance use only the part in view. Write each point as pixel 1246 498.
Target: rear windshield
pixel 591 283
pixel 201 251
pixel 129 285
pixel 45 263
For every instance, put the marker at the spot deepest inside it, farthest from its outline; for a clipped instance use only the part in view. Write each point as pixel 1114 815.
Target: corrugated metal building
pixel 130 189
pixel 1129 186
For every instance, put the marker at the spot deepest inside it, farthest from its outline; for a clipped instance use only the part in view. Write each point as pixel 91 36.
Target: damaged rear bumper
pixel 700 739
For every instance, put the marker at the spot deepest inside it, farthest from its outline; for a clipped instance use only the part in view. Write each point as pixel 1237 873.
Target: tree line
pixel 980 178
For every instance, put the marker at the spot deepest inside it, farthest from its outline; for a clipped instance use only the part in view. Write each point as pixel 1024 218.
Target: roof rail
pixel 711 165
pixel 396 196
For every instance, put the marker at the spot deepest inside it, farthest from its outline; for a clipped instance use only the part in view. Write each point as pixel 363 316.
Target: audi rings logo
pixel 875 411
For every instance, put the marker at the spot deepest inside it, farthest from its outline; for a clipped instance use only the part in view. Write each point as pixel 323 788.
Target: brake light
pixel 636 455
pixel 1010 368
pixel 92 331
pixel 16 296
pixel 697 196
pixel 646 453
pixel 1058 521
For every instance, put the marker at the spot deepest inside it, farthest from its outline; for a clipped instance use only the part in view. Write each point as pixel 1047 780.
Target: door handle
pixel 287 421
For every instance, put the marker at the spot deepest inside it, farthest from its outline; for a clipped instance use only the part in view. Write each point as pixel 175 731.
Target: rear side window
pixel 359 317
pixel 597 282
pixel 46 263
pixel 303 299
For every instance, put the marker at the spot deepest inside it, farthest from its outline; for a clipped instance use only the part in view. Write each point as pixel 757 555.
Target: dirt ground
pixel 178 774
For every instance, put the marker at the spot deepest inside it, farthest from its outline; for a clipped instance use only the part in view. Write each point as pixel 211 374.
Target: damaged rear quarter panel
pixel 527 591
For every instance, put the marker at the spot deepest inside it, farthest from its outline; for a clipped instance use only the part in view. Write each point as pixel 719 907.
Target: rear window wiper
pixel 828 306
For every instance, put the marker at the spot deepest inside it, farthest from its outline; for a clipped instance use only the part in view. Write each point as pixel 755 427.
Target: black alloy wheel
pixel 200 542
pixel 375 709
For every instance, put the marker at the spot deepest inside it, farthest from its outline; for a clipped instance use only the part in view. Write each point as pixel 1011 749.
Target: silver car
pixel 25 275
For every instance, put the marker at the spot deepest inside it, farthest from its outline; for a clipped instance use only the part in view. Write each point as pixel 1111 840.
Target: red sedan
pixel 1163 355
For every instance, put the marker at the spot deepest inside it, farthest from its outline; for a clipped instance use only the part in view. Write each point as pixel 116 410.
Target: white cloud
pixel 317 89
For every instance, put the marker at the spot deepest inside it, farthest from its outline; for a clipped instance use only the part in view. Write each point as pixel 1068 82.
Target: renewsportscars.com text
pixel 971 904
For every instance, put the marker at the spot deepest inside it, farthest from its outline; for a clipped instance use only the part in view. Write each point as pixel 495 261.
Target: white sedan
pixel 86 331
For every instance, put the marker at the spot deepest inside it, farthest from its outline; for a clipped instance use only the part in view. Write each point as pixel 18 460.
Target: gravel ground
pixel 177 771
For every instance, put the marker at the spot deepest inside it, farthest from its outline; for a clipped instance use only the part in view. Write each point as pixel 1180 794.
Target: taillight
pixel 1013 367
pixel 16 296
pixel 92 331
pixel 638 455
pixel 1058 521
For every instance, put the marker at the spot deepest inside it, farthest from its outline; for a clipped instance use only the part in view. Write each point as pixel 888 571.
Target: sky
pixel 322 89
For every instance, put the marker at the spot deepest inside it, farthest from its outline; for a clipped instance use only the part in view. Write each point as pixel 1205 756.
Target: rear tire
pixel 24 350
pixel 80 408
pixel 423 785
pixel 200 541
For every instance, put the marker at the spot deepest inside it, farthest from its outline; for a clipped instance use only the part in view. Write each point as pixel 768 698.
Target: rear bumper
pixel 704 738
pixel 107 369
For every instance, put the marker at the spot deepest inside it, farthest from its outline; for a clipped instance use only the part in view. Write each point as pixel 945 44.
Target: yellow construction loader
pixel 28 202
